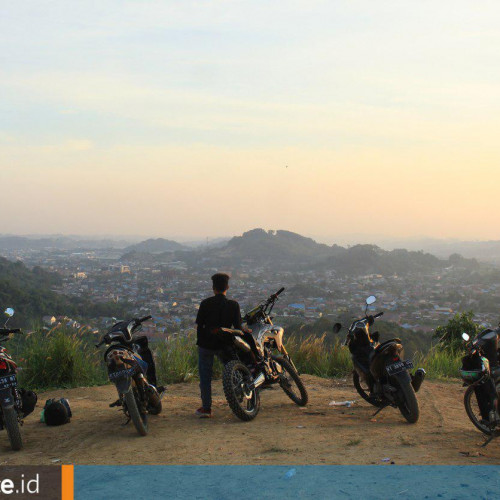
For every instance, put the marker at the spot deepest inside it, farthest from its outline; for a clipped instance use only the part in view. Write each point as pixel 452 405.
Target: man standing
pixel 215 312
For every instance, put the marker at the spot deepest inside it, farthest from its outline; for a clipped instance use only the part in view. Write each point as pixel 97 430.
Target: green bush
pixel 315 356
pixel 59 358
pixel 440 363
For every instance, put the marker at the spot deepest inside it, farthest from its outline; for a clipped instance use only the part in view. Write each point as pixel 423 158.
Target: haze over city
pixel 199 119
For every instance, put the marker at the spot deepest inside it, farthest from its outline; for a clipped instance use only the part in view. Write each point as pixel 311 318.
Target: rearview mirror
pixel 370 300
pixel 465 337
pixel 337 327
pixel 9 312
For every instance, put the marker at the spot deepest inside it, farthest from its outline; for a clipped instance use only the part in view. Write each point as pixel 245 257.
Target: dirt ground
pixel 282 433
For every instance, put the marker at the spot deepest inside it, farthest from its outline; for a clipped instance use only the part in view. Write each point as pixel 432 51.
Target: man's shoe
pixel 203 413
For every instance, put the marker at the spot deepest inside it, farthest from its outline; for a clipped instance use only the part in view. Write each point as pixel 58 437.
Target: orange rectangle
pixel 67 482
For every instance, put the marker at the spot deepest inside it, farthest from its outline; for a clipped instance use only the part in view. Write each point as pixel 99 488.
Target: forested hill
pixel 29 292
pixel 284 248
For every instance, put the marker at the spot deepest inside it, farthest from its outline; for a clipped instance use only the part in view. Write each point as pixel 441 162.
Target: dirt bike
pixel 15 403
pixel 129 372
pixel 381 376
pixel 258 360
pixel 480 372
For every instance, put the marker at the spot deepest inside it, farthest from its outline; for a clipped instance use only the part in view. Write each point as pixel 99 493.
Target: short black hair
pixel 220 281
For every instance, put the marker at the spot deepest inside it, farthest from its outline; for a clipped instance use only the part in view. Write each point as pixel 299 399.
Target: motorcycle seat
pixel 363 366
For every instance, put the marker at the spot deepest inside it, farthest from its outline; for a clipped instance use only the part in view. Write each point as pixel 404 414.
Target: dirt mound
pixel 282 433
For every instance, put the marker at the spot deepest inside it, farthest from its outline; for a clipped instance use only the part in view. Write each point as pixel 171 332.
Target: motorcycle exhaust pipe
pixel 417 379
pixel 258 381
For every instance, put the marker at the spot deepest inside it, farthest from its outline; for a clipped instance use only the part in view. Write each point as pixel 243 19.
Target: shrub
pixel 59 358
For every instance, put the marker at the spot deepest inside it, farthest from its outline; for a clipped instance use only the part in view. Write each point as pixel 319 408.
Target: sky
pixel 194 119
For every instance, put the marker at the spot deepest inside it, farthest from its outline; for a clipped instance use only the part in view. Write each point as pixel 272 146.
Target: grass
pixel 64 358
pixel 353 442
pixel 440 363
pixel 59 358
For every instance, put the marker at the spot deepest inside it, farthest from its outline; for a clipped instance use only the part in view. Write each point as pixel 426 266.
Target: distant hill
pixel 57 242
pixel 262 245
pixel 284 249
pixel 371 259
pixel 155 246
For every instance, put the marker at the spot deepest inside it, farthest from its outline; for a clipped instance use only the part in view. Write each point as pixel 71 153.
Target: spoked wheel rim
pixel 246 397
pixel 473 412
pixel 288 384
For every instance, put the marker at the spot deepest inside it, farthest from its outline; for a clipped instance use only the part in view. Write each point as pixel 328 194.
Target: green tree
pixel 450 335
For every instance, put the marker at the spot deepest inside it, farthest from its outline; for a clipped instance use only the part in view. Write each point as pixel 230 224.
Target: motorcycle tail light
pixel 3 365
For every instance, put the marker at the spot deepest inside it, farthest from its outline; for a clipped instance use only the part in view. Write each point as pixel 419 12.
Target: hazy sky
pixel 179 118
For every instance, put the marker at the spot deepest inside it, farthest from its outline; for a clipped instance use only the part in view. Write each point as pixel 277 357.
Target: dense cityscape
pixel 171 286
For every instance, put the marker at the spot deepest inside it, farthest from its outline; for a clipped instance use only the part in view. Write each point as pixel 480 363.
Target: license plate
pixel 8 382
pixel 399 367
pixel 128 372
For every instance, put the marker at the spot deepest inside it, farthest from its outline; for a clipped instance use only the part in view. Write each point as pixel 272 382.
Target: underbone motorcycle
pixel 480 372
pixel 128 371
pixel 381 375
pixel 15 403
pixel 259 360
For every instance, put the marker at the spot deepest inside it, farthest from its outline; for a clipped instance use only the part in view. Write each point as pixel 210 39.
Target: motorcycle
pixel 480 372
pixel 15 403
pixel 258 360
pixel 381 375
pixel 128 371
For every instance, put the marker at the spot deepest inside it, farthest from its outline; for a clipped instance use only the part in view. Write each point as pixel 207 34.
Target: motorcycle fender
pixel 402 377
pixel 6 398
pixel 123 385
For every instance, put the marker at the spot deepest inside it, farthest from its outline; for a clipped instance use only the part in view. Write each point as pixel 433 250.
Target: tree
pixel 450 335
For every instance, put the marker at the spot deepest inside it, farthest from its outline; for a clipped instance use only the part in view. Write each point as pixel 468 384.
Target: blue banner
pixel 290 482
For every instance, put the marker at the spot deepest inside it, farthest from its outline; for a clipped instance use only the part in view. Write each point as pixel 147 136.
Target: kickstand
pixel 379 410
pixel 490 439
pixel 128 420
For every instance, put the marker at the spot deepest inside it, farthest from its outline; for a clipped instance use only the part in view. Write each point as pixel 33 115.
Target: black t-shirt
pixel 216 311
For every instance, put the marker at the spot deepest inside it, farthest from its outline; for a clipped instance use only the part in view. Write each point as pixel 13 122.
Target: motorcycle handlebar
pixel 378 315
pixel 141 320
pixel 8 331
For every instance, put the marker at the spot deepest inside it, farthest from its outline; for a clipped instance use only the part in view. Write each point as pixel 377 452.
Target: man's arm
pixel 238 322
pixel 200 319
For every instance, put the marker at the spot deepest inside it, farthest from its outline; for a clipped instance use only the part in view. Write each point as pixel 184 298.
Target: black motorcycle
pixel 258 360
pixel 381 375
pixel 480 372
pixel 131 368
pixel 15 403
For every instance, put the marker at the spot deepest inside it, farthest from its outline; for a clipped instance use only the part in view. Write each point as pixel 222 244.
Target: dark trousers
pixel 205 370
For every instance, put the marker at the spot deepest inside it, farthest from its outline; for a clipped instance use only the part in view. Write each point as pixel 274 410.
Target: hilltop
pixel 155 246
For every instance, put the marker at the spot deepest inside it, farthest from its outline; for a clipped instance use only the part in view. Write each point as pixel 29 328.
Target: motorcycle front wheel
pixel 140 421
pixel 11 423
pixel 291 383
pixel 473 412
pixel 236 381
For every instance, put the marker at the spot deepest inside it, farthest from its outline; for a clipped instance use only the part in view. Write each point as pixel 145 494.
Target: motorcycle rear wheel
pixel 140 421
pixel 11 423
pixel 409 404
pixel 472 410
pixel 236 379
